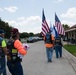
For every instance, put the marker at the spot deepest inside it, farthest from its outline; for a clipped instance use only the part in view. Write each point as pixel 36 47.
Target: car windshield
pixel 30 37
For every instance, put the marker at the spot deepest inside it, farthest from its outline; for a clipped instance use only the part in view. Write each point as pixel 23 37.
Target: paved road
pixel 35 62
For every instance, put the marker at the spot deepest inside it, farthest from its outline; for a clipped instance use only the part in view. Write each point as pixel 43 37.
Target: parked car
pixel 31 40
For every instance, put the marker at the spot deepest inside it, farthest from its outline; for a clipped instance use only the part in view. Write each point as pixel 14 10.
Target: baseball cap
pixel 2 31
pixel 14 31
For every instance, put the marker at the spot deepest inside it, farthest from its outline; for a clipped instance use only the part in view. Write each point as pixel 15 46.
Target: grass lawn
pixel 71 49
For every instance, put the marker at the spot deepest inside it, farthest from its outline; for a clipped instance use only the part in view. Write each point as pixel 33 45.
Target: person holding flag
pixel 49 44
pixel 48 38
pixel 58 40
pixel 58 46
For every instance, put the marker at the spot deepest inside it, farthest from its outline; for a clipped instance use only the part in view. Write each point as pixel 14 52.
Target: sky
pixel 26 15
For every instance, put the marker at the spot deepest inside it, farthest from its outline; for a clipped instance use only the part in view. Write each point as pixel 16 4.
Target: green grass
pixel 71 49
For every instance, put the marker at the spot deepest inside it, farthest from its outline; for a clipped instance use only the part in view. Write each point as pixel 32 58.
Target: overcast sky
pixel 26 15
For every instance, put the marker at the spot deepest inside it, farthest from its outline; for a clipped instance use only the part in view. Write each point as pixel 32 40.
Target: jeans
pixel 58 50
pixel 49 53
pixel 15 68
pixel 2 66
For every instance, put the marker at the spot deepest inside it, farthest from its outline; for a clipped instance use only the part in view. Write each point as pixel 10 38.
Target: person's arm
pixel 44 37
pixel 20 48
pixel 53 39
pixel 4 46
pixel 62 41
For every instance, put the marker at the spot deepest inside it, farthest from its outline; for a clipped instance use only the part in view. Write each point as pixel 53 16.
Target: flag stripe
pixel 45 27
pixel 60 28
pixel 44 31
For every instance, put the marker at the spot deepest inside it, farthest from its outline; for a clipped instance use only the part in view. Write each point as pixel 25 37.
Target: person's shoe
pixel 57 57
pixel 60 56
pixel 49 60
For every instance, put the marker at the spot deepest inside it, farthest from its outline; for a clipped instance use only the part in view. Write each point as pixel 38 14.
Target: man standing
pixel 58 46
pixel 14 47
pixel 3 51
pixel 49 44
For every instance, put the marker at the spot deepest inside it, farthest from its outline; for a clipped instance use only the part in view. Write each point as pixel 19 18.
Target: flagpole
pixel 55 14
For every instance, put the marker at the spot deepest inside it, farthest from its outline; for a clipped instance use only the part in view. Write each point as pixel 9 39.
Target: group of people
pixel 11 49
pixel 52 43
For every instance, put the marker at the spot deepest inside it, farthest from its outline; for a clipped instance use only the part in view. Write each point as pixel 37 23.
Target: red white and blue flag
pixel 59 26
pixel 45 27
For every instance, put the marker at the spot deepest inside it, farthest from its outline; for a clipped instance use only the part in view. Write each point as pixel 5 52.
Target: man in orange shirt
pixel 14 46
pixel 49 44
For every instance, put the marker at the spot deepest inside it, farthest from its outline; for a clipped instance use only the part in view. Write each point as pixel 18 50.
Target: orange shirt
pixel 19 46
pixel 49 45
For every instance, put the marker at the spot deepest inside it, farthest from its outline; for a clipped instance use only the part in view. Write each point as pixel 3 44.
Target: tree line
pixel 5 26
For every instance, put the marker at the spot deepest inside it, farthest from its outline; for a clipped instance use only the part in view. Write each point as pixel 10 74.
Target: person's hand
pixel 8 57
pixel 26 46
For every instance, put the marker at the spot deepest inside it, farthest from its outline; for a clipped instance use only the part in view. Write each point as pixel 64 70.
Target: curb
pixel 71 58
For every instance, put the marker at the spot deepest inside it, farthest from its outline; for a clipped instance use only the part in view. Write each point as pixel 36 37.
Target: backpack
pixel 13 52
pixel 48 38
pixel 2 54
pixel 58 41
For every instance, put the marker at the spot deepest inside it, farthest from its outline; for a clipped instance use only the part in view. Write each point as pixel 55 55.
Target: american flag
pixel 59 26
pixel 45 27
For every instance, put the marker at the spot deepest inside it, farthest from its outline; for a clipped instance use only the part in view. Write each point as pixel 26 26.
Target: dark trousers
pixel 58 50
pixel 2 66
pixel 15 69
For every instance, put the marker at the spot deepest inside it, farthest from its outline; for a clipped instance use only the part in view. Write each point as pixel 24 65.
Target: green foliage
pixel 71 49
pixel 5 26
pixel 24 35
pixel 66 26
pixel 31 34
pixel 38 34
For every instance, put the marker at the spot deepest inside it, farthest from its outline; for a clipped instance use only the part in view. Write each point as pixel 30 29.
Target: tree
pixel 65 26
pixel 31 34
pixel 5 26
pixel 38 34
pixel 24 35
